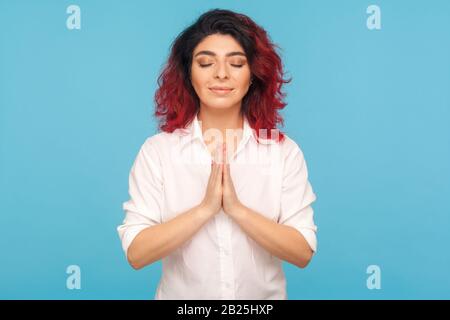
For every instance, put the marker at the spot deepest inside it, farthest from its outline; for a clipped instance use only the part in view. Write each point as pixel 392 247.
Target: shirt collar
pixel 193 131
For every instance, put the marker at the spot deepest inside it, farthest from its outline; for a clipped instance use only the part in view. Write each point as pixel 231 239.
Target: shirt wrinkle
pixel 219 261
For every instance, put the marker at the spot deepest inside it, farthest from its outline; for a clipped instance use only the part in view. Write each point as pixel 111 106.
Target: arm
pixel 282 241
pixel 158 241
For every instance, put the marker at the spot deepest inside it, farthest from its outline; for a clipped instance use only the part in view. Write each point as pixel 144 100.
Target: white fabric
pixel 169 176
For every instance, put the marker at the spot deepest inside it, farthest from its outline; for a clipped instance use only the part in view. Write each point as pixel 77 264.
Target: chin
pixel 219 104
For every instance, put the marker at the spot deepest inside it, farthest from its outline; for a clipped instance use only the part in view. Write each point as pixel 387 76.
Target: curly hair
pixel 176 101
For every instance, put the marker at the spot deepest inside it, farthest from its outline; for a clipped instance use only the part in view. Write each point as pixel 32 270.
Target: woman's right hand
pixel 212 202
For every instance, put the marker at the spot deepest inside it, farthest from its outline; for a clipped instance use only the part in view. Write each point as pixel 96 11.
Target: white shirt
pixel 169 176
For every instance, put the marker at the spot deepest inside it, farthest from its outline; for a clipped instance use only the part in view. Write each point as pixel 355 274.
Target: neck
pixel 220 119
pixel 229 122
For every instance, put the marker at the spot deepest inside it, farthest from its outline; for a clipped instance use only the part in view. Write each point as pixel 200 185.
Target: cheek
pixel 199 79
pixel 195 81
pixel 243 78
pixel 244 86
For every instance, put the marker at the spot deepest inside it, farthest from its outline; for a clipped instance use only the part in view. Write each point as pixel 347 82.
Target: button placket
pixel 225 257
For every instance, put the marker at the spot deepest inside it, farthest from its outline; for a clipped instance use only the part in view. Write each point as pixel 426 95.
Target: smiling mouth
pixel 221 91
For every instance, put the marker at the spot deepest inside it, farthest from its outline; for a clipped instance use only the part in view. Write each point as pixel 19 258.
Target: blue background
pixel 369 108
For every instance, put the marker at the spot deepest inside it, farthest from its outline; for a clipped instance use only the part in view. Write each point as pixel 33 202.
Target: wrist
pixel 205 210
pixel 238 211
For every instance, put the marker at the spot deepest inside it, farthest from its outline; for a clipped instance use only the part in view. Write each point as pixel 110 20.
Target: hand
pixel 230 201
pixel 212 202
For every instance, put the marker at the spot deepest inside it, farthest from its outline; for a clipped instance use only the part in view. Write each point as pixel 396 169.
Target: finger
pixel 210 179
pixel 224 173
pixel 224 152
pixel 212 170
pixel 219 152
pixel 219 173
pixel 225 164
pixel 213 175
pixel 225 160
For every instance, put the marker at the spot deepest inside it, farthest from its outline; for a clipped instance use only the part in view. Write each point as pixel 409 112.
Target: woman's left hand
pixel 230 201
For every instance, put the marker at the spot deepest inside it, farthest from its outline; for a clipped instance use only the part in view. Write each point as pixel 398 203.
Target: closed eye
pixel 208 64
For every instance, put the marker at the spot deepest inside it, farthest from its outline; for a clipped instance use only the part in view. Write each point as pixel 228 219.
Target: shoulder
pixel 290 148
pixel 294 162
pixel 160 142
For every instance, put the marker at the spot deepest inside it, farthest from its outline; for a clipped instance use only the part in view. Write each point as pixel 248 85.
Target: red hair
pixel 176 101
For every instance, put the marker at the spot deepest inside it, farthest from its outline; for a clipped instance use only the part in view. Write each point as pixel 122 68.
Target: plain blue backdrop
pixel 369 108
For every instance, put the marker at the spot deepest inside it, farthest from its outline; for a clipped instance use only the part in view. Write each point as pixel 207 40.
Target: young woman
pixel 220 195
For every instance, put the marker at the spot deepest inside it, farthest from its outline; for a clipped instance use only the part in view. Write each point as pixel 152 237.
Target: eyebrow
pixel 229 54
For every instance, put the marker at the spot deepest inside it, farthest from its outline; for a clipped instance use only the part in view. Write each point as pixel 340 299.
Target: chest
pixel 256 176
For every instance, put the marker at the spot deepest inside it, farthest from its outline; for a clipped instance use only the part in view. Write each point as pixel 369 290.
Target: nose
pixel 221 71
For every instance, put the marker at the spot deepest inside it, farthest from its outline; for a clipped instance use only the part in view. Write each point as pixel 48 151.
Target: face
pixel 220 73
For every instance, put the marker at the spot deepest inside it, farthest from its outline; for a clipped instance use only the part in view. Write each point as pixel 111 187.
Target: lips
pixel 221 90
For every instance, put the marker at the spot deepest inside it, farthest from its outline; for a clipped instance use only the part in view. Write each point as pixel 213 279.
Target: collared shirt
pixel 170 175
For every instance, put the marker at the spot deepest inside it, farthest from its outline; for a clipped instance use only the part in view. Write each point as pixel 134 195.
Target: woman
pixel 220 195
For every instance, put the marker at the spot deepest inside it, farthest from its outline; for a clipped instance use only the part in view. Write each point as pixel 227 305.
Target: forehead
pixel 219 44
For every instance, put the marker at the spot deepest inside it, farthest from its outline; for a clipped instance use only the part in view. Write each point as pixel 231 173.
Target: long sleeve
pixel 297 196
pixel 144 207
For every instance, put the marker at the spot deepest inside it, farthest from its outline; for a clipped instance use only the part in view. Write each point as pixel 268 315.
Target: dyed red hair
pixel 176 101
